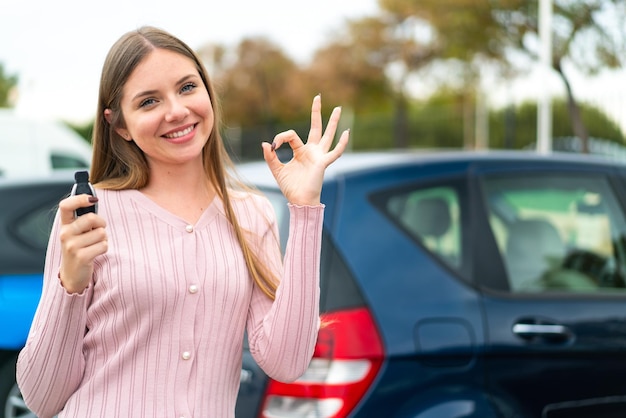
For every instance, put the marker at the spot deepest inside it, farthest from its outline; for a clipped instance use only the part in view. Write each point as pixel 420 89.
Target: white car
pixel 31 146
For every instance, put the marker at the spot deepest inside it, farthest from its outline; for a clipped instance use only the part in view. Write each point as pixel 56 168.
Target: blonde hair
pixel 118 164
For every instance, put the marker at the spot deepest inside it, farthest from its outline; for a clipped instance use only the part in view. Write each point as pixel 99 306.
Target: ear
pixel 108 115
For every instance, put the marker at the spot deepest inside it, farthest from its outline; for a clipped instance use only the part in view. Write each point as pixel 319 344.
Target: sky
pixel 57 47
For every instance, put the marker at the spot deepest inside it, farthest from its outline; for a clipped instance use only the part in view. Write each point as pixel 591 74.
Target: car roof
pixel 352 163
pixel 54 177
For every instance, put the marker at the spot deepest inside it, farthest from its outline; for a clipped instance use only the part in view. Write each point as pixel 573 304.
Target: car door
pixel 554 277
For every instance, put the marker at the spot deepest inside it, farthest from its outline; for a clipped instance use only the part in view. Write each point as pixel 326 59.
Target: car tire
pixel 11 402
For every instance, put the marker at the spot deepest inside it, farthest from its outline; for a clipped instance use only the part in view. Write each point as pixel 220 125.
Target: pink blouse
pixel 159 331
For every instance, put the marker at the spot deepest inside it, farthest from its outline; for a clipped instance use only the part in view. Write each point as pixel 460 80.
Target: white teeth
pixel 180 133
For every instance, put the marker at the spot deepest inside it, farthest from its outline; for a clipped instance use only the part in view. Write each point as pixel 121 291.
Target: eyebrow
pixel 151 92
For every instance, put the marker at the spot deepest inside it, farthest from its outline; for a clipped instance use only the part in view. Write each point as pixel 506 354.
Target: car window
pixel 34 228
pixel 558 233
pixel 432 217
pixel 59 161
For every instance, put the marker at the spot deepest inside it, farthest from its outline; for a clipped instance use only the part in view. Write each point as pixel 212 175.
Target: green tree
pixel 84 130
pixel 370 63
pixel 261 89
pixel 7 85
pixel 517 127
pixel 587 33
pixel 351 69
pixel 262 86
pixel 439 122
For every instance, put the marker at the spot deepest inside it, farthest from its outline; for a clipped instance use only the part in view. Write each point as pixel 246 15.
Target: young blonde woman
pixel 144 305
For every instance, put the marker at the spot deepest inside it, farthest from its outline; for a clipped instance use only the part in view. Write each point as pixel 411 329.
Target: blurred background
pixel 464 74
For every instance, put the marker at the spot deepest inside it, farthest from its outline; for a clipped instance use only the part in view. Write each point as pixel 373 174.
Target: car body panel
pixel 19 296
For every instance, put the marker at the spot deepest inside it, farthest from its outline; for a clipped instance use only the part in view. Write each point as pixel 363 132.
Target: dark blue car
pixel 455 284
pixel 462 285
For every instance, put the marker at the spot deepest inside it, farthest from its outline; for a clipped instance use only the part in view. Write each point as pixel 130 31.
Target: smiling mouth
pixel 180 133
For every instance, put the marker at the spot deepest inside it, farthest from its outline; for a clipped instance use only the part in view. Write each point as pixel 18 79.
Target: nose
pixel 176 110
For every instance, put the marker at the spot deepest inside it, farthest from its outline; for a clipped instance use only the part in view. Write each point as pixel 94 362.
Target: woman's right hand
pixel 82 240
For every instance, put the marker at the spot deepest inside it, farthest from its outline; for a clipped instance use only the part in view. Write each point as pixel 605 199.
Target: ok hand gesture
pixel 300 179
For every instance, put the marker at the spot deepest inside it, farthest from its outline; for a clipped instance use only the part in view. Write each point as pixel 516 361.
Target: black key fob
pixel 82 186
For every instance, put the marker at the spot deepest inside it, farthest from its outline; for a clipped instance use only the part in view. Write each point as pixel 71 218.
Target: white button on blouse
pixel 193 288
pixel 189 228
pixel 186 355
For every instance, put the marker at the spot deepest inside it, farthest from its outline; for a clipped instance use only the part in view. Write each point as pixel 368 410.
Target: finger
pixel 76 242
pixel 272 160
pixel 88 222
pixel 79 254
pixel 92 238
pixel 315 133
pixel 290 137
pixel 341 146
pixel 68 205
pixel 94 250
pixel 73 234
pixel 331 128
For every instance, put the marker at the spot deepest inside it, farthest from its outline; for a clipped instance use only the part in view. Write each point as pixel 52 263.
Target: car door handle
pixel 532 330
pixel 548 333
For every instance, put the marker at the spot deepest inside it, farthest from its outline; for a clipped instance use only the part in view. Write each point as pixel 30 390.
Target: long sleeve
pixel 282 334
pixel 51 365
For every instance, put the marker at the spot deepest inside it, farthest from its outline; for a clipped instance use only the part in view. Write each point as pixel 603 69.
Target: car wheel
pixel 11 401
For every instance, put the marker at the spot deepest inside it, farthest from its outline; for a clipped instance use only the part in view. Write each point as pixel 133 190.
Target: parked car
pixel 462 284
pixel 27 208
pixel 454 284
pixel 32 147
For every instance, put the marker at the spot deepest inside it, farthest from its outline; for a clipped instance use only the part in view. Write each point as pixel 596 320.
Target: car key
pixel 82 186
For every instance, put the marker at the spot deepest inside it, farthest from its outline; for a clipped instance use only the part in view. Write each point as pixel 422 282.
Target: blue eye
pixel 146 102
pixel 188 87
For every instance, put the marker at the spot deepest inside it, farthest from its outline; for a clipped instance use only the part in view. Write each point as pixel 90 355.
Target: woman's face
pixel 167 109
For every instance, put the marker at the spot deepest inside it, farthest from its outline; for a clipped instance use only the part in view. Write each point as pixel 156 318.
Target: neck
pixel 183 190
pixel 179 179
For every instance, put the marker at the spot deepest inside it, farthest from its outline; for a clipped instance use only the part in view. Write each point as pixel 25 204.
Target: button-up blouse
pixel 159 331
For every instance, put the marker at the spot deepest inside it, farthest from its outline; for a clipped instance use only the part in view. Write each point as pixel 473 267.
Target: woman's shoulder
pixel 113 195
pixel 114 201
pixel 251 204
pixel 246 198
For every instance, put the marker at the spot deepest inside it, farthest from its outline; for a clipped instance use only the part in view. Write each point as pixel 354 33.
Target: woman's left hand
pixel 300 179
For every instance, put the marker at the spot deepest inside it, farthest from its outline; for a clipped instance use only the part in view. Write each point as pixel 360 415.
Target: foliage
pixel 7 86
pixel 462 29
pixel 440 122
pixel 84 131
pixel 517 127
pixel 587 33
pixel 262 87
pixel 351 70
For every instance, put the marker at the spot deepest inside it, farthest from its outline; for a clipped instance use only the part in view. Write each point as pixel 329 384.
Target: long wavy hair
pixel 118 164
